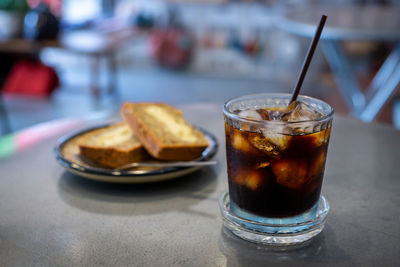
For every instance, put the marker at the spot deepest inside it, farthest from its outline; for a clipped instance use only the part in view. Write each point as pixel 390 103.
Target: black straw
pixel 308 58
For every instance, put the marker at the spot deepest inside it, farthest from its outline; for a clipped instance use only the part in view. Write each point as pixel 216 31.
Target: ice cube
pixel 239 142
pixel 275 137
pixel 317 139
pixel 290 173
pixel 250 114
pixel 249 178
pixel 321 137
pixel 269 142
pixel 262 165
pixel 265 115
pixel 300 111
pixel 261 143
pixel 279 140
pixel 318 164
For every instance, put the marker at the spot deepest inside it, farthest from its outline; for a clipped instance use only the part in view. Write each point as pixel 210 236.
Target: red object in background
pixel 172 47
pixel 251 47
pixel 31 78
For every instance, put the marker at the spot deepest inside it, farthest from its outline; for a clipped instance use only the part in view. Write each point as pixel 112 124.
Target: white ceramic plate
pixel 67 154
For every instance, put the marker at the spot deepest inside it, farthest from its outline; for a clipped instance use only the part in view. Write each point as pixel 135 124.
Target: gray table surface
pixel 348 22
pixel 49 217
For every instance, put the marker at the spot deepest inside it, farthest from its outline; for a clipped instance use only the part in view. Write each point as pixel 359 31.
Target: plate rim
pixel 107 175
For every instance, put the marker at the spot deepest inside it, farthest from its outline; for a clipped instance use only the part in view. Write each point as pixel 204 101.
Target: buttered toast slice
pixel 112 146
pixel 163 131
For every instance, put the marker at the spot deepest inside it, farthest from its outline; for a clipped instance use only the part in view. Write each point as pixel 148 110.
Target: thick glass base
pixel 286 232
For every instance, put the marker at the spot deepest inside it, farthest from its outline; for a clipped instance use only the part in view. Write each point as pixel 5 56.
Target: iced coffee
pixel 276 153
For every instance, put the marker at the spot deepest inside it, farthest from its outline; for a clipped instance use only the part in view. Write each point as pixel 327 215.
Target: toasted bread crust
pixel 113 158
pixel 110 156
pixel 149 134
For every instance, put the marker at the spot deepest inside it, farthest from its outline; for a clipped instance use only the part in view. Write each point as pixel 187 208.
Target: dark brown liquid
pixel 275 181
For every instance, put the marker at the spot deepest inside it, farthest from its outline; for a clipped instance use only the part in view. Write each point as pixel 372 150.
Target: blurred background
pixel 69 58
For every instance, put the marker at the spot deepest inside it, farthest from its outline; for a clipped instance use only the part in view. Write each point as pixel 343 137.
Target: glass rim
pixel 325 117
